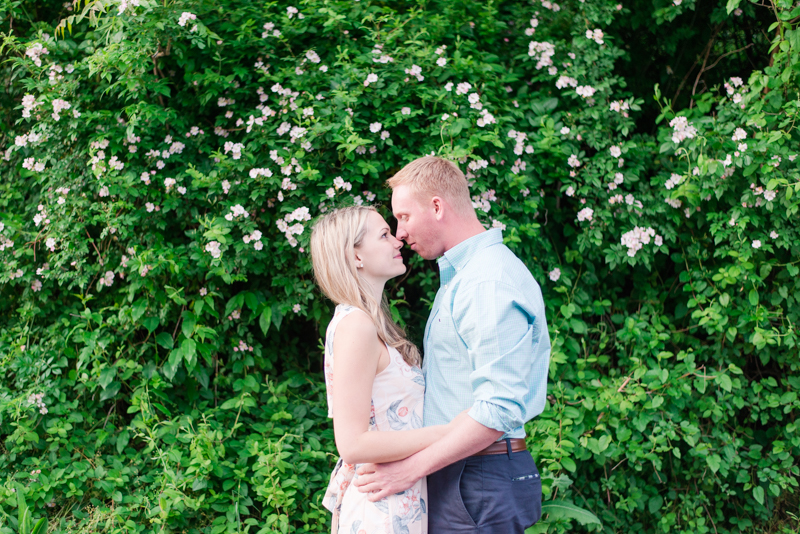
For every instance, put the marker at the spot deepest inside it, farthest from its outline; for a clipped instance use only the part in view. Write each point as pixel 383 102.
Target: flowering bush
pixel 163 165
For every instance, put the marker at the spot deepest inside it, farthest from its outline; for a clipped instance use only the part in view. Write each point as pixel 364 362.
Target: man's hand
pixel 382 480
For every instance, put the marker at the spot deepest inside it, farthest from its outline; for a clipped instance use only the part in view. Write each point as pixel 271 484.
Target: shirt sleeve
pixel 509 347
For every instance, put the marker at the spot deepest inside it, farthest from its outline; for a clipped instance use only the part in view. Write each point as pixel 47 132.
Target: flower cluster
pixel 595 35
pixel 415 71
pixel 213 249
pixel 484 200
pixel 542 53
pixel 234 148
pixel 682 129
pixel 585 214
pixel 236 211
pixel 242 347
pixel 290 230
pixel 674 180
pixel 254 238
pixel 36 399
pixel 636 238
pixel 106 280
pixel 35 52
pixel 185 18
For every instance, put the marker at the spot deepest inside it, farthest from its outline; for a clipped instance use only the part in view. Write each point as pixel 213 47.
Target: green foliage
pixel 160 330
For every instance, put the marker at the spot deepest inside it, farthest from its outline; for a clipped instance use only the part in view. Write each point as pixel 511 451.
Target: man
pixel 487 349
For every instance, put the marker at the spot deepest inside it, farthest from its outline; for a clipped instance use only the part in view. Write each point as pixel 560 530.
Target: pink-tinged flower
pixel 570 191
pixel 296 308
pixel 585 214
pixel 555 274
pixel 203 292
pixel 371 78
pixel 739 135
pixel 615 151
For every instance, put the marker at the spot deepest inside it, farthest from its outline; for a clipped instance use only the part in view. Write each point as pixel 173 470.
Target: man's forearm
pixel 467 438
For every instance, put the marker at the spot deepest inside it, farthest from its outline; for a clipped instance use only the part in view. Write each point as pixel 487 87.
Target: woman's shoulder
pixel 355 322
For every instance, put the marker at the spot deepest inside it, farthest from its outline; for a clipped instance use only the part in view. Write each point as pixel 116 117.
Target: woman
pixel 374 385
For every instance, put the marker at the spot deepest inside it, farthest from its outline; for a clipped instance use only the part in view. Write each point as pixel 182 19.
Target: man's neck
pixel 465 230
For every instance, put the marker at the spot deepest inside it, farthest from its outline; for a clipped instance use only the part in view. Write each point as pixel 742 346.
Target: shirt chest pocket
pixel 443 338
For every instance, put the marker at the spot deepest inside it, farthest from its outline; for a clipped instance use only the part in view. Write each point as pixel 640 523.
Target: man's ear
pixel 438 207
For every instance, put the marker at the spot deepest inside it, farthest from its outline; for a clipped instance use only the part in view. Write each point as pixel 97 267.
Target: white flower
pixel 773 234
pixel 448 86
pixel 185 18
pixel 615 151
pixel 739 135
pixel 770 194
pixel 371 78
pixel 149 206
pixel 463 88
pixel 445 116
pixel 586 91
pixel 375 127
pixel 570 191
pixel 555 274
pixel 296 308
pixel 441 62
pixel 213 249
pixel 498 224
pixel 572 161
pixel 564 130
pixel 636 238
pixel 585 214
pixel 405 111
pixel 682 129
pixel 756 243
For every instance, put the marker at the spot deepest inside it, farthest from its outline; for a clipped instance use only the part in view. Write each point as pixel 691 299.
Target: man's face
pixel 416 223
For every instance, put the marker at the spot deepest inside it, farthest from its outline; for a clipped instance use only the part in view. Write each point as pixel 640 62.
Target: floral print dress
pixel 397 398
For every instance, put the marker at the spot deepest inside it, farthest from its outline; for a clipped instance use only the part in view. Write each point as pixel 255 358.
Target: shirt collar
pixel 457 257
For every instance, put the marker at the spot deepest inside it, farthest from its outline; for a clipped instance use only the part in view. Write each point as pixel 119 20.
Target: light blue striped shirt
pixel 486 342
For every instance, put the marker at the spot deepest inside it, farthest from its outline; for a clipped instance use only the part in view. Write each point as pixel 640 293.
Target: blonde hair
pixel 431 176
pixel 334 239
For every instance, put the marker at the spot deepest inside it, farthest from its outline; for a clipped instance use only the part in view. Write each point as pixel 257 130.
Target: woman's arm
pixel 357 350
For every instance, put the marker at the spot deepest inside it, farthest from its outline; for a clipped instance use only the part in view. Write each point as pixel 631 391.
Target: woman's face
pixel 379 251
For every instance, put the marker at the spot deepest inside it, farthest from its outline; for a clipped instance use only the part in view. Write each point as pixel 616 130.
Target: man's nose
pixel 401 233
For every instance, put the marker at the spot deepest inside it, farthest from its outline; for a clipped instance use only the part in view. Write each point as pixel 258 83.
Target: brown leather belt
pixel 500 447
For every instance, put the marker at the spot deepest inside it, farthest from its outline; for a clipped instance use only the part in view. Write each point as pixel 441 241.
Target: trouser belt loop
pixel 508 447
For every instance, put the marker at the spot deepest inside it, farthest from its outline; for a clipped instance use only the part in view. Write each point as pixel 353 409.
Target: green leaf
pixel 713 461
pixel 40 527
pixel 568 464
pixel 165 340
pixel 123 438
pixel 655 503
pixel 724 382
pixel 138 309
pixel 732 4
pixel 111 391
pixel 758 494
pixel 265 319
pixel 753 297
pixel 189 351
pixel 171 367
pixel 567 510
pixel 151 323
pixel 188 324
